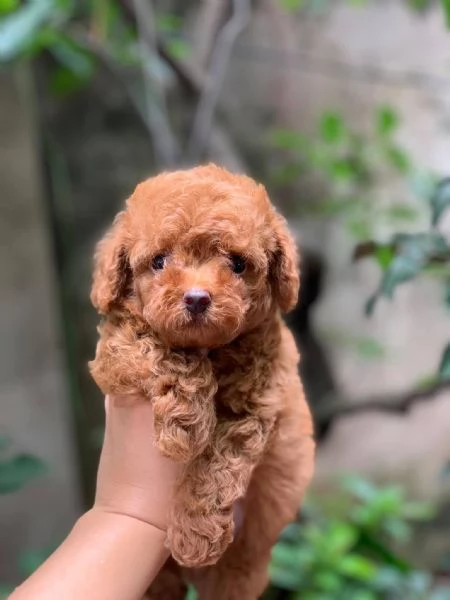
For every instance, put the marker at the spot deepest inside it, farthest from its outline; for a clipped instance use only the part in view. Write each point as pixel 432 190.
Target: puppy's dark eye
pixel 158 262
pixel 238 263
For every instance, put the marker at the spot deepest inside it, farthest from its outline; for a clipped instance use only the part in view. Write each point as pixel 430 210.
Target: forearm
pixel 106 556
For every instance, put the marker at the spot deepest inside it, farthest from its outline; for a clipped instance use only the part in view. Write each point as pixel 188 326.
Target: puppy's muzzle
pixel 196 300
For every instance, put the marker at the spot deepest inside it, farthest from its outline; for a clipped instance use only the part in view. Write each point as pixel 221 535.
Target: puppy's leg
pixel 272 500
pixel 202 521
pixel 181 386
pixel 182 389
pixel 122 360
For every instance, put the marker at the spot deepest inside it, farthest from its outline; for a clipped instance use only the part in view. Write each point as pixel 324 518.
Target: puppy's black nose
pixel 197 300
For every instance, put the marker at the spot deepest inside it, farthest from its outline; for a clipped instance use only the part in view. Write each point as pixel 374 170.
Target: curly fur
pixel 227 398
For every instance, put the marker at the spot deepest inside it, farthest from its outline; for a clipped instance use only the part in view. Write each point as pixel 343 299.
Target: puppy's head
pixel 201 255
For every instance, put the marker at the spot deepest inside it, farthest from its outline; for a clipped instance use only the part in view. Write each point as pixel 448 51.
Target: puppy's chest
pixel 242 380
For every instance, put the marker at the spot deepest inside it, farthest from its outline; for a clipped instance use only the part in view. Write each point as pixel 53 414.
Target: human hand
pixel 134 479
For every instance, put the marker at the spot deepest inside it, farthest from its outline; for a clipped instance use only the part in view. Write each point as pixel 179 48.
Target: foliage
pixel 346 164
pixel 347 549
pixel 18 470
pixel 77 33
pixel 446 7
pixel 15 473
pixel 349 165
pixel 406 256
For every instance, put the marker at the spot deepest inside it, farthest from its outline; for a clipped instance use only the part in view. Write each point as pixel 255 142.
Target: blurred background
pixel 342 108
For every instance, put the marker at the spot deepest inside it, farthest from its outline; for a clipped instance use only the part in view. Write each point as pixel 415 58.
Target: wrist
pixel 99 516
pixel 134 503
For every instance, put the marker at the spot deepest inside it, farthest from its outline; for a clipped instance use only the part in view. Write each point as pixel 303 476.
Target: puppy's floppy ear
pixel 284 267
pixel 112 272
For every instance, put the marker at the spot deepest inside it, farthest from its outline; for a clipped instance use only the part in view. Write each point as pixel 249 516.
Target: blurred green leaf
pixel 286 139
pixel 385 503
pixel 398 530
pixel 16 472
pixel 286 174
pixel 444 367
pixel 332 127
pixel 31 560
pixel 365 595
pixel 64 81
pixel 359 228
pixel 77 65
pixel 178 48
pixel 369 348
pixel 386 120
pixel 369 306
pixel 447 293
pixel 285 555
pixel 285 578
pixel 5 591
pixel 411 257
pixel 423 184
pixel 357 567
pixel 327 581
pixel 397 158
pixel 360 488
pixel 402 268
pixel 18 30
pixel 292 5
pixel 191 593
pixel 7 6
pixel 73 56
pixel 440 200
pixel 342 169
pixel 169 22
pixel 446 7
pixel 426 381
pixel 384 256
pixel 340 537
pixel 401 212
pixel 291 533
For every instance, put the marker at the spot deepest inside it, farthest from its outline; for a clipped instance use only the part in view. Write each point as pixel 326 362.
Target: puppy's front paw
pixel 201 541
pixel 184 416
pixel 178 441
pixel 114 381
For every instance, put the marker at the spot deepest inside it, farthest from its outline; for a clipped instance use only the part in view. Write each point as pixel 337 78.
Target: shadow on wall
pixel 315 368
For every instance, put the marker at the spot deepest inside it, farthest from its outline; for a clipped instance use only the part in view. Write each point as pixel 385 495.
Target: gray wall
pixel 34 407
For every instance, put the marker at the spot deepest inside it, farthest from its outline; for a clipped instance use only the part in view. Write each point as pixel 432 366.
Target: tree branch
pixel 192 81
pixel 107 59
pixel 213 85
pixel 164 142
pixel 396 403
pixel 210 20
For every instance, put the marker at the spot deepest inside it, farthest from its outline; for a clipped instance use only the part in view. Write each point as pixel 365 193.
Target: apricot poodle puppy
pixel 192 279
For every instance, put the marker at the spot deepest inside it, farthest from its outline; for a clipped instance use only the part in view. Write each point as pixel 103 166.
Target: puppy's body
pixel 223 379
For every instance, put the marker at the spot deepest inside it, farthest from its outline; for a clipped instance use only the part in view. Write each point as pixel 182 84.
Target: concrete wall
pixel 34 408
